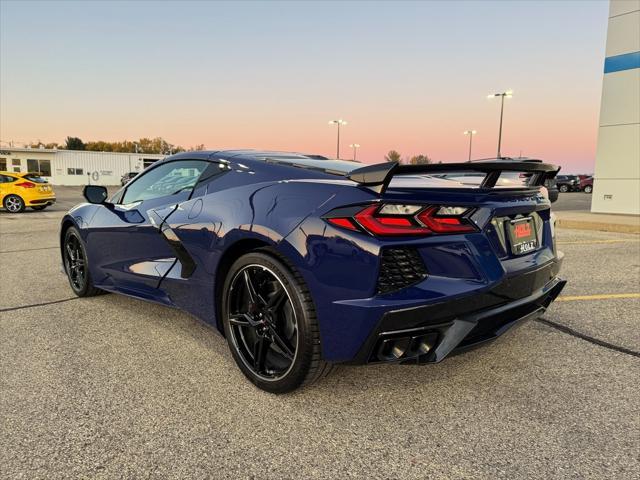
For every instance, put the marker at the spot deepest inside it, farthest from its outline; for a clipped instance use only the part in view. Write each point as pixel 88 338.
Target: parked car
pixel 303 263
pixel 21 190
pixel 568 183
pixel 552 188
pixel 127 177
pixel 586 184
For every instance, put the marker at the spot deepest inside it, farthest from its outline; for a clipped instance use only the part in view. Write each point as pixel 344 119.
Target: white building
pixel 616 187
pixel 75 167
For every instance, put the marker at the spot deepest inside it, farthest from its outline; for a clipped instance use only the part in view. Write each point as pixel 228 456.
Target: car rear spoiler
pixel 377 177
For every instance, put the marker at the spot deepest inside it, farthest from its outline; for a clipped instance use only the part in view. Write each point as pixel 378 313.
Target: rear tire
pixel 76 264
pixel 39 207
pixel 563 188
pixel 13 204
pixel 588 189
pixel 270 323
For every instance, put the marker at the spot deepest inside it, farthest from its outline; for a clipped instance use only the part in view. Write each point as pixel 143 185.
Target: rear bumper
pixel 428 334
pixel 40 201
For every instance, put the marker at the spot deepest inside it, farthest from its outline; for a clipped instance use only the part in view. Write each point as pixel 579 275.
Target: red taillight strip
pixel 386 226
pixel 439 224
pixel 425 222
pixel 25 184
pixel 342 222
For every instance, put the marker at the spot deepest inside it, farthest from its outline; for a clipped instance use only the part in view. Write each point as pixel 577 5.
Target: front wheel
pixel 563 188
pixel 270 324
pixel 588 189
pixel 13 204
pixel 76 264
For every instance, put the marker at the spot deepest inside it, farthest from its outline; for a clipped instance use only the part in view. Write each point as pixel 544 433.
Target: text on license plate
pixel 522 235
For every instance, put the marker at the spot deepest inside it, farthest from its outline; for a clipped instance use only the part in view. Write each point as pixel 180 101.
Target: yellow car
pixel 21 190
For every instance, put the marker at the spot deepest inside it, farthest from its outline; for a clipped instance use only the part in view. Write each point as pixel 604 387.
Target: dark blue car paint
pixel 251 201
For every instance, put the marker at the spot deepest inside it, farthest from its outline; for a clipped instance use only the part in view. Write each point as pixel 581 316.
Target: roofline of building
pixel 56 150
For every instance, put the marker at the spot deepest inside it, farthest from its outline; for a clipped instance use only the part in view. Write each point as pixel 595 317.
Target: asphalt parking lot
pixel 112 387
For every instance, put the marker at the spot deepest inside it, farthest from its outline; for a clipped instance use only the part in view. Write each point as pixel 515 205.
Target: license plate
pixel 522 235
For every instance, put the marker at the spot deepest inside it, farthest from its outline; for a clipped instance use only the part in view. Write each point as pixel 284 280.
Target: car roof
pixel 310 161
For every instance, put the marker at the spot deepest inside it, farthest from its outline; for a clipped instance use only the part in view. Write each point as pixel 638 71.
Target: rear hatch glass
pixel 34 178
pixel 461 179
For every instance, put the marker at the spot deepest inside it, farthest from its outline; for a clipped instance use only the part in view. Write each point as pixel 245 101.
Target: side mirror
pixel 95 193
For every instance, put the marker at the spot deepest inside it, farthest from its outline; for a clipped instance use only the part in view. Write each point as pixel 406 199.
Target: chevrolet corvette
pixel 303 263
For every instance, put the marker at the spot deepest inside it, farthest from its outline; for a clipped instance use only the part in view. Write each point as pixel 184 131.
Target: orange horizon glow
pixel 275 84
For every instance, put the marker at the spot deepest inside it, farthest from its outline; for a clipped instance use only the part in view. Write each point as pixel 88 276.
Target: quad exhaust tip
pixel 405 348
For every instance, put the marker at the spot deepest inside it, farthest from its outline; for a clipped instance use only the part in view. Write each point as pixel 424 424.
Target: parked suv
pixel 568 183
pixel 586 184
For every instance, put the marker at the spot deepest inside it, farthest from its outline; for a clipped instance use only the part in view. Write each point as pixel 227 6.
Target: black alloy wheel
pixel 269 321
pixel 76 265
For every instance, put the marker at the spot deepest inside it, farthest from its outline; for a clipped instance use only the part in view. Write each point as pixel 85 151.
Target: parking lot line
pixel 604 296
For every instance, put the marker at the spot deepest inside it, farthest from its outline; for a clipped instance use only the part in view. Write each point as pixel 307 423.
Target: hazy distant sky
pixel 410 76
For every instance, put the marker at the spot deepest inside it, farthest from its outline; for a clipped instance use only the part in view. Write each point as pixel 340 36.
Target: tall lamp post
pixel 507 94
pixel 355 146
pixel 471 133
pixel 338 122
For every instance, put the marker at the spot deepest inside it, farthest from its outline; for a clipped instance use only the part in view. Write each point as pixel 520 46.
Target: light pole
pixel 338 122
pixel 355 146
pixel 507 94
pixel 471 133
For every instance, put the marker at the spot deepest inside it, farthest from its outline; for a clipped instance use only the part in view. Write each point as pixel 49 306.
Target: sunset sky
pixel 409 76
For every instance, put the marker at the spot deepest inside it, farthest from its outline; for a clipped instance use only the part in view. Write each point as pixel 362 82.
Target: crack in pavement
pixel 593 340
pixel 544 321
pixel 28 249
pixel 10 309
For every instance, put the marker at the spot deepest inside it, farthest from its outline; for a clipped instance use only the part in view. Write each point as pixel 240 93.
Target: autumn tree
pixel 393 156
pixel 419 160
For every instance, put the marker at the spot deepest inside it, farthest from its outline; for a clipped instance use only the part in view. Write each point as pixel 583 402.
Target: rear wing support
pixel 377 177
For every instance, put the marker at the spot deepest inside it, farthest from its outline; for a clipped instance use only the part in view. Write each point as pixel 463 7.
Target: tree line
pixel 144 145
pixel 394 156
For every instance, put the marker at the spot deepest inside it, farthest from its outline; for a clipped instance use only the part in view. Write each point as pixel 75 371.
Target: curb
pixel 600 226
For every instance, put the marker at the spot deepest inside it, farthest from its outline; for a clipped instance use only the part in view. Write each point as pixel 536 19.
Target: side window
pixel 6 179
pixel 166 179
pixel 211 173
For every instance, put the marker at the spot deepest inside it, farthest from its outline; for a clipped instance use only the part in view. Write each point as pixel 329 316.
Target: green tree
pixel 419 160
pixel 393 156
pixel 74 143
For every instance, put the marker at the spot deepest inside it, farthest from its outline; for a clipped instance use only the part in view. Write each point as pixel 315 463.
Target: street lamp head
pixel 355 145
pixel 508 94
pixel 337 122
pixel 470 132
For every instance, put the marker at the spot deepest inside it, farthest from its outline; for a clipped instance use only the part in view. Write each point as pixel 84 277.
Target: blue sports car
pixel 303 263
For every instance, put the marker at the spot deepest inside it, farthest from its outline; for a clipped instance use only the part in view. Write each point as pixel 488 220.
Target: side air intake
pixel 400 268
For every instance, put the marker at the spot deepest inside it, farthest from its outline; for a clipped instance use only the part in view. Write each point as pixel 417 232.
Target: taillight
pixel 25 184
pixel 403 220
